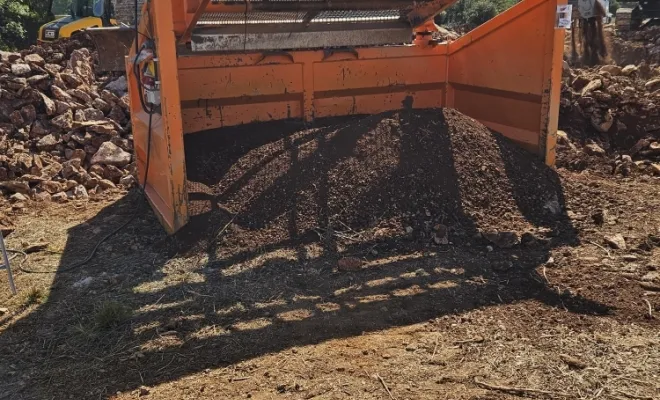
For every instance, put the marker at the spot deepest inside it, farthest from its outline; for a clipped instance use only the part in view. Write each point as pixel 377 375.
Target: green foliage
pixel 614 6
pixel 472 13
pixel 20 21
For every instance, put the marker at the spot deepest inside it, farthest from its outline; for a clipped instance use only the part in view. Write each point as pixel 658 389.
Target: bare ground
pixel 565 316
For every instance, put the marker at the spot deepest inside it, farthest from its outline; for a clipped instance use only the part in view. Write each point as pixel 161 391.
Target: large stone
pixel 80 95
pixel 20 69
pixel 80 193
pixel 652 84
pixel 613 70
pixel 504 240
pixel 16 186
pixel 51 170
pixel 629 70
pixel 102 105
pixel 92 114
pixel 17 119
pixel 594 150
pixel 616 241
pixel 119 86
pixel 111 154
pixel 71 80
pixel 655 168
pixel 34 59
pixel 47 143
pixel 53 69
pixel 60 94
pixel 64 121
pixel 591 86
pixel 72 169
pixel 603 124
pixel 51 187
pixel 29 113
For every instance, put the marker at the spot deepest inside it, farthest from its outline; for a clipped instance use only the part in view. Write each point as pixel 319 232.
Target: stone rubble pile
pixel 64 134
pixel 613 110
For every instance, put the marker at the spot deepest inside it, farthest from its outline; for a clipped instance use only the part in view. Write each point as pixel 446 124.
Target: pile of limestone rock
pixel 613 111
pixel 65 134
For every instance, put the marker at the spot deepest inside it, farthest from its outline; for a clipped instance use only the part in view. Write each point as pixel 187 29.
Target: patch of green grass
pixel 110 314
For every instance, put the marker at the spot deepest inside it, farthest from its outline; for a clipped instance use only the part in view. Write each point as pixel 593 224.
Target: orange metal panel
pixel 506 74
pixel 165 183
pixel 377 103
pixel 506 109
pixel 506 53
pixel 378 73
pixel 210 115
pixel 218 83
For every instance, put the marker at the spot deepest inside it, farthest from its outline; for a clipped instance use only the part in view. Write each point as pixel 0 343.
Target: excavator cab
pixel 83 14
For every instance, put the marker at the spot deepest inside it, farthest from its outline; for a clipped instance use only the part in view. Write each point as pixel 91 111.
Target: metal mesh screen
pixel 265 17
pixel 251 18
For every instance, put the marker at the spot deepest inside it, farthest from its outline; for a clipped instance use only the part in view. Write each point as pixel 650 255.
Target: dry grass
pixel 110 314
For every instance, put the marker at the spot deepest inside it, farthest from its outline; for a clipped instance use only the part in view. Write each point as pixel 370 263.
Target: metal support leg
pixel 5 260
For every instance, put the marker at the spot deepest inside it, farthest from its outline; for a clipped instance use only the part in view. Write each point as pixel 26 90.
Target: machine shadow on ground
pixel 193 306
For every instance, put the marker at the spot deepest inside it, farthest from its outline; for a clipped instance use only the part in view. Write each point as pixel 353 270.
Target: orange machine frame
pixel 506 74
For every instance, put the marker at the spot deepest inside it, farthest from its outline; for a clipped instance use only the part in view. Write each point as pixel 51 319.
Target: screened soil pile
pixel 426 177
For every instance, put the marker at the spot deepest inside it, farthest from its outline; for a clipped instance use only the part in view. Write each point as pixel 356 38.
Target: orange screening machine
pixel 208 64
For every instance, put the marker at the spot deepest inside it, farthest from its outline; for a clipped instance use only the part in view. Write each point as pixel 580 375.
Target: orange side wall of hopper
pixel 505 74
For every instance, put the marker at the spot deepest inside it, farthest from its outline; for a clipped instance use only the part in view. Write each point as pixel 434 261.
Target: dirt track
pixel 262 310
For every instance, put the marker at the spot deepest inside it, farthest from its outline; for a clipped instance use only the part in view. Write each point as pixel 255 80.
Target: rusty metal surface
pixel 278 37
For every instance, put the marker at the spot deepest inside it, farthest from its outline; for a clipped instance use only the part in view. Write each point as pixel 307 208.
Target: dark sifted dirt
pixel 380 177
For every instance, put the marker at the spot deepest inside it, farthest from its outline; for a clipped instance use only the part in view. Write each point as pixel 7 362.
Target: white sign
pixel 564 15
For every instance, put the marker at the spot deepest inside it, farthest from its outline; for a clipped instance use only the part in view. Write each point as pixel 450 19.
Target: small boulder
pixel 34 59
pixel 594 150
pixel 111 154
pixel 80 193
pixel 16 186
pixel 629 70
pixel 616 241
pixel 613 70
pixel 652 85
pixel 503 240
pixel 47 143
pixel 20 69
pixel 64 121
pixel 591 86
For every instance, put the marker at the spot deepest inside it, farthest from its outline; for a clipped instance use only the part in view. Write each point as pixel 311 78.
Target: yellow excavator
pixel 95 17
pixel 83 14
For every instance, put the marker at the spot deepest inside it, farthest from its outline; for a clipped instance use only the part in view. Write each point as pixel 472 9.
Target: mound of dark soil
pixel 396 175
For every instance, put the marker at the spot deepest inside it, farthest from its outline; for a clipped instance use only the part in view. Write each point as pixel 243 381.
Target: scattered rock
pixel 111 154
pixel 573 362
pixel 503 240
pixel 16 187
pixel 594 150
pixel 629 70
pixel 616 241
pixel 83 283
pixel 441 234
pixel 613 70
pixel 20 69
pixel 17 197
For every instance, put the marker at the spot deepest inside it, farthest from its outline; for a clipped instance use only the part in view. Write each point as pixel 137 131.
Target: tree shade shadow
pixel 195 307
